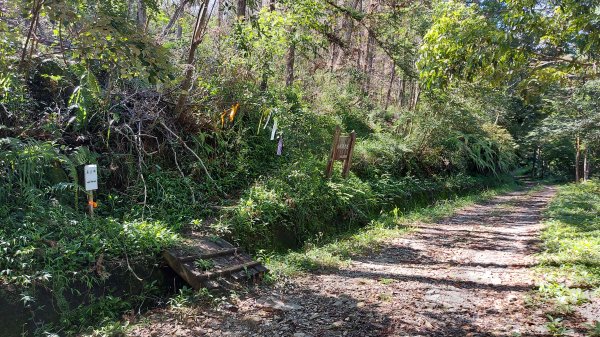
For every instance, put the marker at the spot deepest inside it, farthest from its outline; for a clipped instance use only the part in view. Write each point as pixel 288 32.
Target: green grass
pixel 570 262
pixel 338 252
pixel 572 237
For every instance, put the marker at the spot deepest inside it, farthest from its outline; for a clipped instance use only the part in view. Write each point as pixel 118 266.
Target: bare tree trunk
pixel 176 15
pixel 290 61
pixel 411 92
pixel 401 91
pixel 359 42
pixel 542 163
pixel 220 11
pixel 348 29
pixel 416 94
pixel 534 163
pixel 334 48
pixel 130 8
pixel 369 52
pixel 369 49
pixel 389 91
pixel 199 30
pixel 577 158
pixel 369 56
pixel 586 165
pixel 35 15
pixel 241 9
pixel 142 15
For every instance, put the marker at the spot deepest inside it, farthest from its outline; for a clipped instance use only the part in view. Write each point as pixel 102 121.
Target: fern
pixel 26 169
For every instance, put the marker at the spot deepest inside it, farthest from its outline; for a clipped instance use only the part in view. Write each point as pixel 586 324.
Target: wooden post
pixel 90 196
pixel 348 161
pixel 336 138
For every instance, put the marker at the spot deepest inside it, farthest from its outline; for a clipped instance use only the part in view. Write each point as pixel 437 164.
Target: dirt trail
pixel 467 275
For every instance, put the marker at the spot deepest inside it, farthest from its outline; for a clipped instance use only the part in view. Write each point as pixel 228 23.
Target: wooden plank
pixel 231 251
pixel 336 136
pixel 343 147
pixel 348 161
pixel 182 271
pixel 229 270
pixel 227 260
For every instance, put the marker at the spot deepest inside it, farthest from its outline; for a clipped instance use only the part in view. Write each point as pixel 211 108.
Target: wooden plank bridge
pixel 206 260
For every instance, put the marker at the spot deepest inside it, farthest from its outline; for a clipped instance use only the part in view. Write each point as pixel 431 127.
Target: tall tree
pixel 202 19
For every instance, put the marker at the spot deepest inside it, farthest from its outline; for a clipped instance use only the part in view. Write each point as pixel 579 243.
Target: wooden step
pixel 225 260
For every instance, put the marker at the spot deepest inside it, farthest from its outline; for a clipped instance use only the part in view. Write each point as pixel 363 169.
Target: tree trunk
pixel 415 95
pixel 577 158
pixel 401 92
pixel 369 49
pixel 359 42
pixel 389 92
pixel 411 92
pixel 176 15
pixel 142 15
pixel 199 30
pixel 290 61
pixel 220 12
pixel 586 165
pixel 241 9
pixel 369 56
pixel 534 163
pixel 348 29
pixel 334 48
pixel 35 15
pixel 542 163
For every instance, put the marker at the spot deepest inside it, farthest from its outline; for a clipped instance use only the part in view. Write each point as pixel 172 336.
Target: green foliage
pixel 556 326
pixel 204 264
pixel 279 211
pixel 55 243
pixel 533 42
pixel 594 329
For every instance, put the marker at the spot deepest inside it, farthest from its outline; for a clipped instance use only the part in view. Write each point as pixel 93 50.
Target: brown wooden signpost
pixel 342 149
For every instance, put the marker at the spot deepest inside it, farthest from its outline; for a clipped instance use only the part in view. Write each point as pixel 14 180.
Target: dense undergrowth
pixel 570 262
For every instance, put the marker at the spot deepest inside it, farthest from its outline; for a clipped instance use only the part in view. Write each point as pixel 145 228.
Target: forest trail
pixel 466 275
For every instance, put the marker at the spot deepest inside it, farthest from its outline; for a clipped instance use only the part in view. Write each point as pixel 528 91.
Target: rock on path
pixel 467 275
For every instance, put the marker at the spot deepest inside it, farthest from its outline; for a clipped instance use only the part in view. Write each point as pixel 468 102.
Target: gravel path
pixel 467 275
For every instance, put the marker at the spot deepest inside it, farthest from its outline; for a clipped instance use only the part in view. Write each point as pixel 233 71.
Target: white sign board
pixel 91 177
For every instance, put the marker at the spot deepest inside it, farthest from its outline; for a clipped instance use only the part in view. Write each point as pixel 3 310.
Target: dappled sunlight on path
pixel 467 275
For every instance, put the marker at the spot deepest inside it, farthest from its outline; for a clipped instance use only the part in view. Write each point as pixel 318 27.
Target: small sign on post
pixel 342 149
pixel 91 184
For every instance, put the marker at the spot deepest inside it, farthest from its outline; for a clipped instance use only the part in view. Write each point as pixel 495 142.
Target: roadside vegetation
pixel 324 253
pixel 570 261
pixel 184 106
